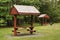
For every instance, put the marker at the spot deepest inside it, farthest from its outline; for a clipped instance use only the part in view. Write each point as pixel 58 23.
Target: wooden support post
pixel 46 21
pixel 31 20
pixel 15 32
pixel 43 21
pixel 31 28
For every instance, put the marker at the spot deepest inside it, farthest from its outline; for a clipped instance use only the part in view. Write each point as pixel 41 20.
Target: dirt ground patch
pixel 26 35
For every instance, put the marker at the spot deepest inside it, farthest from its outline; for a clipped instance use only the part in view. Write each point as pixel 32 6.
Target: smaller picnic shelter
pixel 44 19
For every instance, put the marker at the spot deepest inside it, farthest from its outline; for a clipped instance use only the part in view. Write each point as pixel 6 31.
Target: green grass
pixel 50 33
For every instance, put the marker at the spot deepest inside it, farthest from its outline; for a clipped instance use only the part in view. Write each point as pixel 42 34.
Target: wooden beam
pixel 31 20
pixel 15 32
pixel 46 21
pixel 31 28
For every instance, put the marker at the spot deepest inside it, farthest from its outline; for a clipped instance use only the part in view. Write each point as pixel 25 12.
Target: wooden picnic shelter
pixel 44 19
pixel 23 10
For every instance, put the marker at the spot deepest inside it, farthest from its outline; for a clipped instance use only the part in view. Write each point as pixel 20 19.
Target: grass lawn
pixel 49 32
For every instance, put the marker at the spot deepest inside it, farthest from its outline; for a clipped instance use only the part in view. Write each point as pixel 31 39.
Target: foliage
pixel 44 6
pixel 52 9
